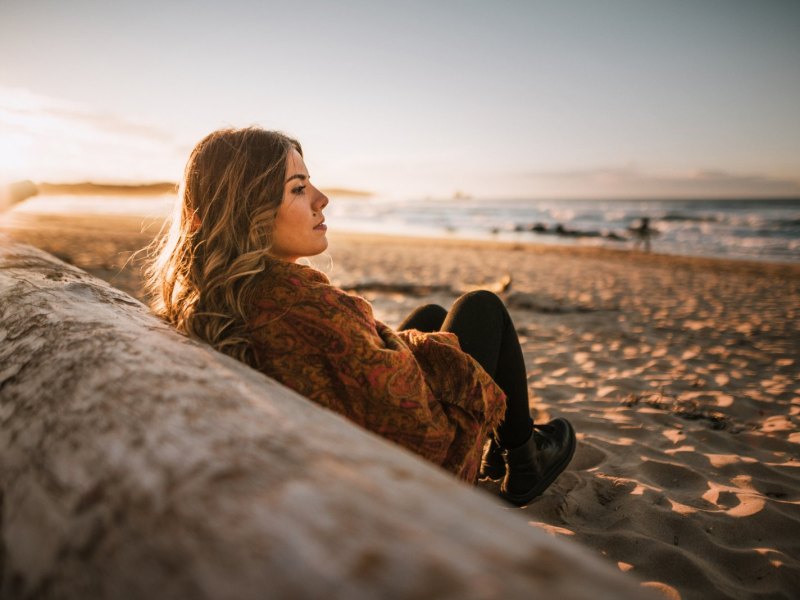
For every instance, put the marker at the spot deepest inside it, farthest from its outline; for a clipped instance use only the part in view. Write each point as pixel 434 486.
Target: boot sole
pixel 549 477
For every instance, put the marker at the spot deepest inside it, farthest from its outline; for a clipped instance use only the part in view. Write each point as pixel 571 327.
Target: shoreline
pixel 575 251
pixel 682 234
pixel 137 224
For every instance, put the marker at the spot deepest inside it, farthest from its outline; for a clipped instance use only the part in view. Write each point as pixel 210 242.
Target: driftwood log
pixel 135 463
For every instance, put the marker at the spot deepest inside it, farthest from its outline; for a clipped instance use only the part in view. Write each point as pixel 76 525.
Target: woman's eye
pixel 299 189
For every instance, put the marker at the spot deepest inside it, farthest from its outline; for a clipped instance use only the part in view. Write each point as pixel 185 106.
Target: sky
pixel 501 98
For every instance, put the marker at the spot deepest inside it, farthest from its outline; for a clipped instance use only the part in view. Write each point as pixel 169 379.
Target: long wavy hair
pixel 202 273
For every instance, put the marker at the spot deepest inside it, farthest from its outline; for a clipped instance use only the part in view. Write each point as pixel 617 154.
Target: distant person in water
pixel 642 234
pixel 449 386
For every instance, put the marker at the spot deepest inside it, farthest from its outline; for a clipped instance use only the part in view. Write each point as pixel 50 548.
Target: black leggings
pixel 485 331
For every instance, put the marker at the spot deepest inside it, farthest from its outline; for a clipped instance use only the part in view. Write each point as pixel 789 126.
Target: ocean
pixel 765 230
pixel 762 230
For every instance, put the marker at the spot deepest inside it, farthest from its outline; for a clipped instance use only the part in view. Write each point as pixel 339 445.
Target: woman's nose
pixel 321 201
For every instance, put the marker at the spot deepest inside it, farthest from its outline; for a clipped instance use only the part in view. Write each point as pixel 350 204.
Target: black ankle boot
pixel 493 463
pixel 533 466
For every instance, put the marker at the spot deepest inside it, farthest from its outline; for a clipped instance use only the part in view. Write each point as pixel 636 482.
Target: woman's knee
pixel 482 299
pixel 433 309
pixel 428 317
pixel 481 306
pixel 432 312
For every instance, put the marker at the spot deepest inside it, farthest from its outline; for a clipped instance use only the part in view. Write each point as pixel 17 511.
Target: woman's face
pixel 299 225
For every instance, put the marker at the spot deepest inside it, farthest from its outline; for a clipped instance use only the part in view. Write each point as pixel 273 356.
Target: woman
pixel 441 385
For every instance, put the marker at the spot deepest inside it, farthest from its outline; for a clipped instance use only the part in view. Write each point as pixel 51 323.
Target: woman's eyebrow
pixel 299 176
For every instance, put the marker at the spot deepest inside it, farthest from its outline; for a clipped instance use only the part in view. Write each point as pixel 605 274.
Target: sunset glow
pixel 625 101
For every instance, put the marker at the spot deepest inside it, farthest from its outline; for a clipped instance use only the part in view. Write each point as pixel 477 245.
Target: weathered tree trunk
pixel 135 463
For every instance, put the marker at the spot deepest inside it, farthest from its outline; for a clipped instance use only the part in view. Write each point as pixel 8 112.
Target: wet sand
pixel 681 375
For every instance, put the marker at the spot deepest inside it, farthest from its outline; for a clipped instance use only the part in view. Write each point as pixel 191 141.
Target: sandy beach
pixel 681 376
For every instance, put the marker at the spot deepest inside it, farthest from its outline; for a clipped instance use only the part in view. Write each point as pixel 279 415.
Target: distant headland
pixel 20 190
pixel 92 188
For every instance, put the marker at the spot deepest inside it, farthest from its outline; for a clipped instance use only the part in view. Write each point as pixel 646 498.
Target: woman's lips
pixel 321 227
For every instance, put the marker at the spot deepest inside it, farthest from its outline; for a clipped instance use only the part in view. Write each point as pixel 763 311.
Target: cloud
pixel 22 106
pixel 631 181
pixel 43 138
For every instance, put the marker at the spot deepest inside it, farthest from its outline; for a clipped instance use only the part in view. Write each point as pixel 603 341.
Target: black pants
pixel 485 331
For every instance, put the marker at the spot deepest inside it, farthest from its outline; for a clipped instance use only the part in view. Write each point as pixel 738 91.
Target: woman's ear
pixel 195 222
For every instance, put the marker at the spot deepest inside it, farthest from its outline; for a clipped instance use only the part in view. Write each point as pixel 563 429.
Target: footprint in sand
pixel 671 476
pixel 587 456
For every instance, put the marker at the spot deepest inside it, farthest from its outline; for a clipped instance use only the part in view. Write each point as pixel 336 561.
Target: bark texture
pixel 135 463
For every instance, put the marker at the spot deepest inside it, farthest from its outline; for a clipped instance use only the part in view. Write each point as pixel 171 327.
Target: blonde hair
pixel 202 277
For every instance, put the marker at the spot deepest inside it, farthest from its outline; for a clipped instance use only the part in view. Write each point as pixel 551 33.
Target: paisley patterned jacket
pixel 416 389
